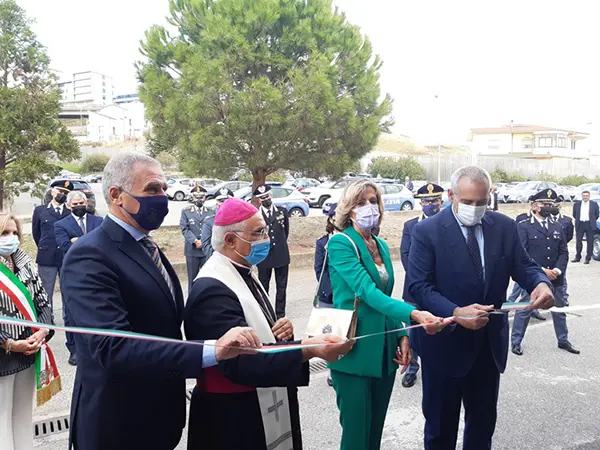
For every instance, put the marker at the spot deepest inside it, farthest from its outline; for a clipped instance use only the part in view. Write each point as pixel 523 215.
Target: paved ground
pixel 549 399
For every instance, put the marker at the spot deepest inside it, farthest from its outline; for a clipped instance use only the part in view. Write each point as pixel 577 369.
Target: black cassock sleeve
pixel 213 309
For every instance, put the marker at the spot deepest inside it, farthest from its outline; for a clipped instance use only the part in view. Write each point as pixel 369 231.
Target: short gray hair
pixel 75 195
pixel 219 231
pixel 118 172
pixel 473 173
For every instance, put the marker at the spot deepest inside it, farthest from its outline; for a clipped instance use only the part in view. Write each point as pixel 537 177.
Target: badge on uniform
pixel 556 234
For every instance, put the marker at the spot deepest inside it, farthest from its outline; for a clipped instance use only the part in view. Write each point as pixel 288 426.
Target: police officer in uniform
pixel 209 221
pixel 278 223
pixel 192 218
pixel 50 255
pixel 569 229
pixel 545 241
pixel 431 202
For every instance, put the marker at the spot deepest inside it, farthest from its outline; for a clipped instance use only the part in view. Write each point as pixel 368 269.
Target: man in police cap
pixel 277 221
pixel 567 225
pixel 545 241
pixel 431 202
pixel 49 254
pixel 209 221
pixel 192 218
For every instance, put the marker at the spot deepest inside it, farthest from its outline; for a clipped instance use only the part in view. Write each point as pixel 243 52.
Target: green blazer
pixel 378 312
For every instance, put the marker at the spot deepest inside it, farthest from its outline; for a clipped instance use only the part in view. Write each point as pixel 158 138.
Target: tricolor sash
pixel 48 382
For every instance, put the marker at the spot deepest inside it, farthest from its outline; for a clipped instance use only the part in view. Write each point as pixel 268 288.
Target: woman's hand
pixel 39 337
pixel 432 323
pixel 403 353
pixel 283 330
pixel 23 346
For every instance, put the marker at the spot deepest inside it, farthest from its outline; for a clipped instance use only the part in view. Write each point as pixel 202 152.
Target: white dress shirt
pixel 584 213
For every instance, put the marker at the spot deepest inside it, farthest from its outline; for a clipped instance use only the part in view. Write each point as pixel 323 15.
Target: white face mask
pixel 470 215
pixel 8 245
pixel 367 216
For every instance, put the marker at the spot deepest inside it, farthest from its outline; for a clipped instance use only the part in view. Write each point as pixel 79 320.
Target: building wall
pixel 87 87
pixel 523 145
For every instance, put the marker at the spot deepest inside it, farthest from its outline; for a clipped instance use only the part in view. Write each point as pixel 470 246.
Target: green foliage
pixel 94 163
pixel 71 167
pixel 397 168
pixel 277 176
pixel 499 176
pixel 263 85
pixel 31 136
pixel 516 177
pixel 168 161
pixel 546 177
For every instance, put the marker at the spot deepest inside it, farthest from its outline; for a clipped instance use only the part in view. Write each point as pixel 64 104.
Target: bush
pixel 575 180
pixel 94 163
pixel 516 177
pixel 397 168
pixel 546 177
pixel 499 175
pixel 168 161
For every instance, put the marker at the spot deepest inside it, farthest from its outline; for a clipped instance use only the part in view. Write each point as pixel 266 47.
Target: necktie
pixel 82 225
pixel 58 211
pixel 474 251
pixel 545 225
pixel 155 255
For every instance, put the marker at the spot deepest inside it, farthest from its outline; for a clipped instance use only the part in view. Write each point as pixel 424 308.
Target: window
pixel 544 140
pixel 279 192
pixel 493 144
pixel 185 182
pixel 573 144
pixel 114 131
pixel 391 189
pixel 527 142
pixel 340 184
pixel 561 142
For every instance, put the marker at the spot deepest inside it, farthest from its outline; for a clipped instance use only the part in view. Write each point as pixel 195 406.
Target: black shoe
pixel 568 347
pixel 517 350
pixel 329 381
pixel 72 360
pixel 576 260
pixel 587 261
pixel 537 315
pixel 409 380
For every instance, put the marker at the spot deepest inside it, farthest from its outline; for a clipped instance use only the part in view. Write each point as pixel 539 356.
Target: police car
pixel 396 197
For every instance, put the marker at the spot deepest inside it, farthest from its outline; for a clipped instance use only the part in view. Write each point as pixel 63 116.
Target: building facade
pixel 86 88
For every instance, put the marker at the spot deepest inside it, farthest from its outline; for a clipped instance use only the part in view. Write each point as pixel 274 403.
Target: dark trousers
pixel 442 398
pixel 585 228
pixel 281 282
pixel 70 342
pixel 193 264
pixel 48 275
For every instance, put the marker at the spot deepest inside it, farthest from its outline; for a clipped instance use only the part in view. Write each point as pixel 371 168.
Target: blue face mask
pixel 152 212
pixel 259 250
pixel 431 209
pixel 8 245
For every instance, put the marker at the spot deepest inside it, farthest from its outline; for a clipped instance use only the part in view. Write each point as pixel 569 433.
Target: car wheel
pixel 296 212
pixel 406 206
pixel 322 200
pixel 596 252
pixel 179 196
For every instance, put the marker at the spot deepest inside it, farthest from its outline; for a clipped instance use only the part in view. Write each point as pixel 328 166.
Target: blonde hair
pixel 4 218
pixel 351 198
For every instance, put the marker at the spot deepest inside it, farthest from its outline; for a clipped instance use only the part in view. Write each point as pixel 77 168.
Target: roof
pixel 520 129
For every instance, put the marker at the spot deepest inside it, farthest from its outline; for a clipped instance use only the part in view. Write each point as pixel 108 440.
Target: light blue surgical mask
pixel 8 245
pixel 259 250
pixel 367 216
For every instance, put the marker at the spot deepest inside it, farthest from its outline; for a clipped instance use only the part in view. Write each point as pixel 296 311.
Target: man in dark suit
pixel 190 224
pixel 209 221
pixel 68 231
pixel 49 255
pixel 131 393
pixel 460 264
pixel 278 223
pixel 431 202
pixel 493 201
pixel 585 213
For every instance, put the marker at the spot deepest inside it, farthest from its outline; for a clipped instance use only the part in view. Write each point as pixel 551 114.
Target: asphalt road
pixel 549 399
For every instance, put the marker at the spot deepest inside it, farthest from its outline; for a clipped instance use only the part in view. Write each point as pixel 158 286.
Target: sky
pixel 448 65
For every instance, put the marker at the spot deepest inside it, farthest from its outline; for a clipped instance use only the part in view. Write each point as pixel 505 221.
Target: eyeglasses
pixel 255 234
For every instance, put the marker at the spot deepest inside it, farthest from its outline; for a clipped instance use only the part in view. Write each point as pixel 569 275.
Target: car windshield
pixel 240 193
pixel 525 186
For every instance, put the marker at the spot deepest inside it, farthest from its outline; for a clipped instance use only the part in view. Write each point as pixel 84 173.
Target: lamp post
pixel 511 137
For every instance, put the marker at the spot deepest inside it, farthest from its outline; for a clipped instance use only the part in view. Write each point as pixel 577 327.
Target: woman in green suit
pixel 360 267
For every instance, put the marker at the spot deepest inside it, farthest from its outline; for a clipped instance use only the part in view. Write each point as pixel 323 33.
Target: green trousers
pixel 363 404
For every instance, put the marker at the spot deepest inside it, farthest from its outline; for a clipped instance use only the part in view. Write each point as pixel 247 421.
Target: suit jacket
pixel 325 291
pixel 42 228
pixel 594 213
pixel 206 236
pixel 68 228
pixel 353 276
pixel 190 223
pixel 279 229
pixel 127 393
pixel 567 224
pixel 493 201
pixel 442 277
pixel 404 252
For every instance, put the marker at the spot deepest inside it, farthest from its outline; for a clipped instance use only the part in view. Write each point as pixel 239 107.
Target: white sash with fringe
pixel 274 402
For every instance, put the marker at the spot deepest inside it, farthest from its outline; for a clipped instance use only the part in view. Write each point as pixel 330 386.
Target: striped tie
pixel 152 249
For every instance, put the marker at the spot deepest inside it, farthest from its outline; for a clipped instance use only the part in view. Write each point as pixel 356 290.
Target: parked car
pixel 208 183
pixel 179 189
pixel 319 195
pixel 523 191
pixel 96 178
pixel 569 193
pixel 290 198
pixel 396 197
pixel 303 183
pixel 231 185
pixel 78 185
pixel 593 188
pixel 596 248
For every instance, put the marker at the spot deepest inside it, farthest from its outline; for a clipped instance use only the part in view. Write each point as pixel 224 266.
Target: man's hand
pixel 335 349
pixel 403 353
pixel 474 316
pixel 432 323
pixel 550 274
pixel 240 337
pixel 541 297
pixel 74 239
pixel 198 243
pixel 283 329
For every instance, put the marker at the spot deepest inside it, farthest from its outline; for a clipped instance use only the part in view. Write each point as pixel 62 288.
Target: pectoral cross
pixel 275 407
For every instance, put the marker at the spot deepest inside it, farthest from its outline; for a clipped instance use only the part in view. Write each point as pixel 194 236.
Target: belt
pixel 214 382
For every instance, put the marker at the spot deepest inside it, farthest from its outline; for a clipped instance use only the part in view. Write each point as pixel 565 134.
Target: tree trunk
pixel 3 200
pixel 258 177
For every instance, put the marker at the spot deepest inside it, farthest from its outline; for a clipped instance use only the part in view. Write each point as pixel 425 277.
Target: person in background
pixel 130 394
pixel 278 259
pixel 321 270
pixel 68 231
pixel 567 225
pixel 408 183
pixel 19 345
pixel 190 223
pixel 585 213
pixel 431 202
pixel 209 220
pixel 460 264
pixel 545 241
pixel 360 266
pixel 49 255
pixel 493 201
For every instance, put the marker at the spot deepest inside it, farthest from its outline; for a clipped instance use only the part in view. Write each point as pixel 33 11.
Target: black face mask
pixel 79 211
pixel 547 211
pixel 60 198
pixel 267 203
pixel 199 203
